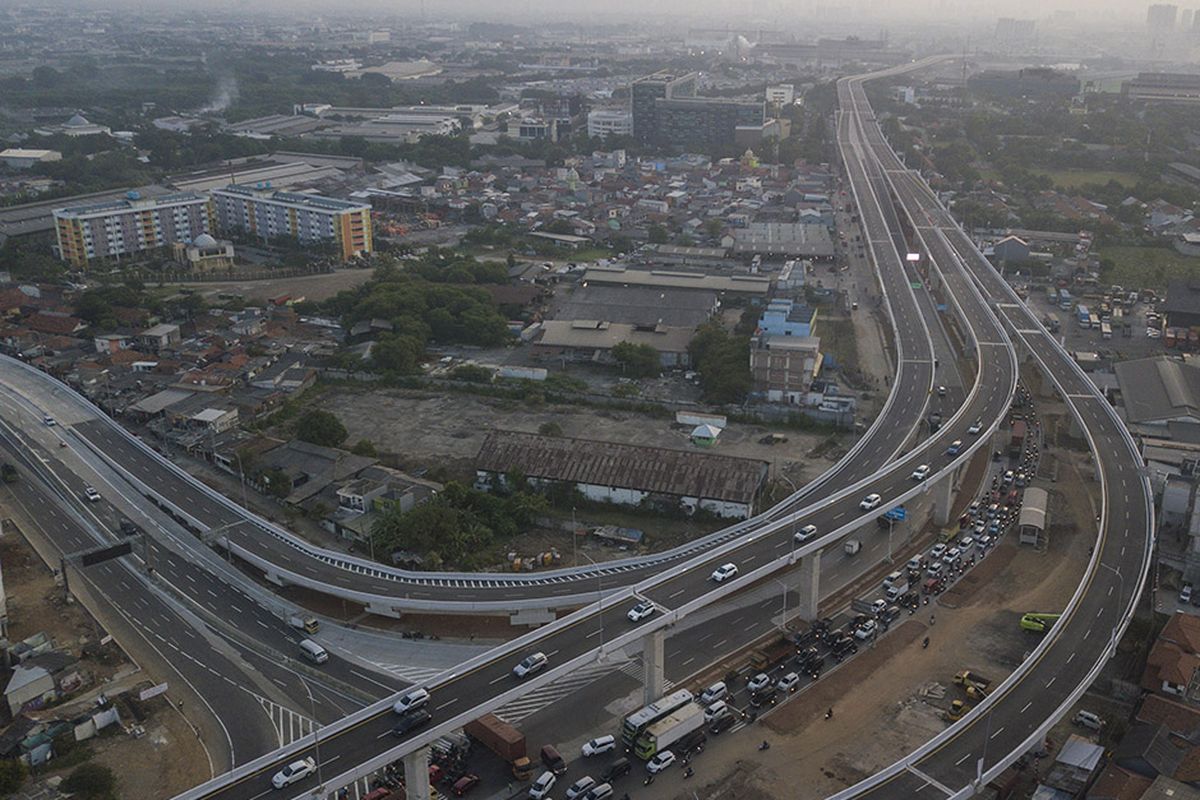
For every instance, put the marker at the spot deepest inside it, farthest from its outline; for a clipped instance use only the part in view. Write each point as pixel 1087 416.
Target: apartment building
pixel 131 224
pixel 307 218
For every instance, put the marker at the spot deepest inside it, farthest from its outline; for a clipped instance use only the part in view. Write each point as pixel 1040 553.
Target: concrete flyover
pixel 285 559
pixel 359 742
pixel 1045 686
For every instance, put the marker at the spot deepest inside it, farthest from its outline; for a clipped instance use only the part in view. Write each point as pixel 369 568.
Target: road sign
pixel 106 554
pixel 897 514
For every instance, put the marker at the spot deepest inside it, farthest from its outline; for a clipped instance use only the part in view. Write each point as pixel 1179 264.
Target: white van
pixel 714 693
pixel 1087 719
pixel 313 651
pixel 892 579
pixel 914 564
pixel 966 546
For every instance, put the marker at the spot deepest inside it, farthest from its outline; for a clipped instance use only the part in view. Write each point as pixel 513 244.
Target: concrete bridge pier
pixel 808 587
pixel 943 498
pixel 416 775
pixel 653 664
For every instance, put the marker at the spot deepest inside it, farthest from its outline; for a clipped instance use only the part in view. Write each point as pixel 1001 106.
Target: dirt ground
pixel 312 287
pixel 426 429
pixel 979 616
pixel 164 762
pixel 36 604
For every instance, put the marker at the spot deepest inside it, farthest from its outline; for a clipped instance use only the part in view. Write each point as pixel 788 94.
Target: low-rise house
pixel 163 336
pixel 1173 665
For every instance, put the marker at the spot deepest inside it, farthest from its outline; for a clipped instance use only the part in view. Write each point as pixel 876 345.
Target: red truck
pixel 504 740
pixel 1017 443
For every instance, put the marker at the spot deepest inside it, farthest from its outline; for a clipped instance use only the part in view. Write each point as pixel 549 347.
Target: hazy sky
pixel 1089 11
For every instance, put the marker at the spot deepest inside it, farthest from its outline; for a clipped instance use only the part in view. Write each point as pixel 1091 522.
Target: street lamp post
pixel 312 704
pixel 599 602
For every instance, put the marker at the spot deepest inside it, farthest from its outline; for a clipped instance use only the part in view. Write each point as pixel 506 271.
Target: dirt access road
pixel 880 691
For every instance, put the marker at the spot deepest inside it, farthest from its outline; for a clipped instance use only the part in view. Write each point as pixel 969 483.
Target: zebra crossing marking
pixel 289 725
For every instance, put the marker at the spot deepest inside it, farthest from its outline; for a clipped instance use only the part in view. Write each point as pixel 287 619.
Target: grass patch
pixel 1074 178
pixel 839 339
pixel 1145 267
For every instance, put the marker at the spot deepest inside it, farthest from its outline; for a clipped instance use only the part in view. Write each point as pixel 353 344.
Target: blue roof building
pixel 787 318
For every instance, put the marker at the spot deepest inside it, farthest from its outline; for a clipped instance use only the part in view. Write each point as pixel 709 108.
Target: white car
pixel 975 428
pixel 936 569
pixel 580 787
pixel 724 572
pixel 411 700
pixel 49 420
pixel 866 630
pixel 542 786
pixel 920 473
pixel 870 501
pixel 660 762
pixel 530 664
pixel 953 556
pixel 759 682
pixel 641 611
pixel 938 550
pixel 805 533
pixel 878 606
pixel 601 744
pixel 715 710
pixel 91 494
pixel 295 771
pixel 788 683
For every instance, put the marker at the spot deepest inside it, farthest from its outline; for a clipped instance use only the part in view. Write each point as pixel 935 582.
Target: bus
pixel 1105 330
pixel 637 722
pixel 1094 321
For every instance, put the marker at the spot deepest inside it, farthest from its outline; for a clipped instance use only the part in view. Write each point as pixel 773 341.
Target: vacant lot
pixel 311 287
pixel 1145 267
pixel 431 430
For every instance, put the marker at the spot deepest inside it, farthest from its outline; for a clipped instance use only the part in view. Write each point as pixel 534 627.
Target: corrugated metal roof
pixel 648 469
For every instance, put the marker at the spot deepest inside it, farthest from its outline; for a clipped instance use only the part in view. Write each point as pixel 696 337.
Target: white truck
pixel 669 730
pixel 852 546
pixel 895 590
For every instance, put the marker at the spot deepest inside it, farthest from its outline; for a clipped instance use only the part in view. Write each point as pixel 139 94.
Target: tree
pixel 364 447
pixel 12 775
pixel 321 428
pixel 91 781
pixel 657 234
pixel 723 362
pixel 550 429
pixel 396 353
pixel 714 227
pixel 637 360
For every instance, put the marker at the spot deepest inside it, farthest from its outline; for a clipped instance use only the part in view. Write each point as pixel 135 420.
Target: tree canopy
pixel 322 428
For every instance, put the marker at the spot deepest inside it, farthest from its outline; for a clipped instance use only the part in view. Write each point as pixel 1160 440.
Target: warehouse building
pixel 589 340
pixel 625 474
pixel 639 305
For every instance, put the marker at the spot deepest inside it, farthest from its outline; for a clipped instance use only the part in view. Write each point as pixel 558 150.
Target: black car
pixel 909 600
pixel 722 724
pixel 807 638
pixel 822 625
pixel 692 741
pixel 767 697
pixel 834 635
pixel 843 647
pixel 411 721
pixel 617 769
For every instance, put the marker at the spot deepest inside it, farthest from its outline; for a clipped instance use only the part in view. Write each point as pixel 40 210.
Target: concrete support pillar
pixel 808 587
pixel 382 610
pixel 273 577
pixel 416 775
pixel 653 664
pixel 943 499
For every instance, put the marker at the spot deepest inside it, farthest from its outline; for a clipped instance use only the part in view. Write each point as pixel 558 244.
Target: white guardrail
pixel 977 713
